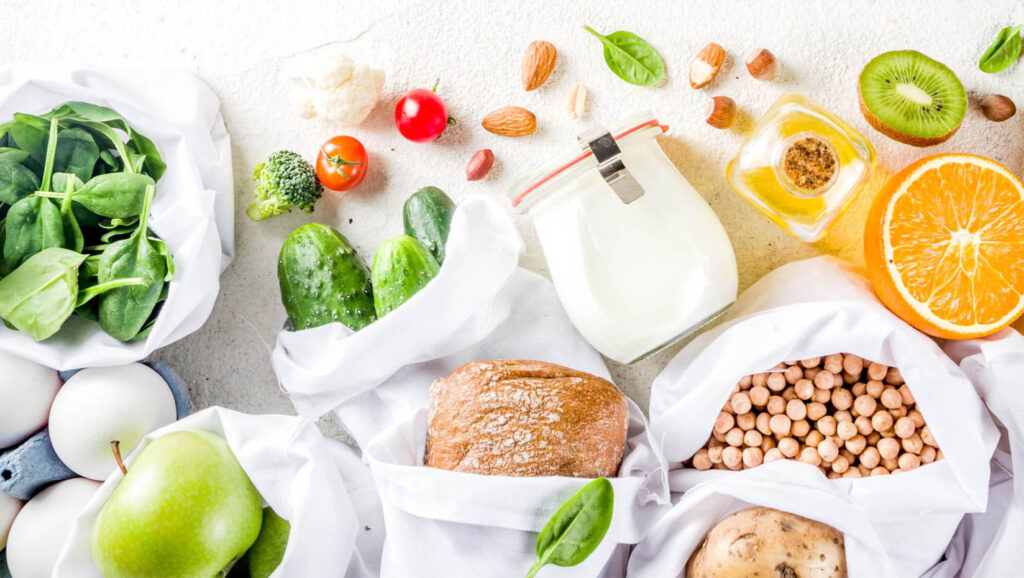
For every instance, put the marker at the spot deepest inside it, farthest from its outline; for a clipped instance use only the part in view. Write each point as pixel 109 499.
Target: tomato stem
pixel 436 83
pixel 338 161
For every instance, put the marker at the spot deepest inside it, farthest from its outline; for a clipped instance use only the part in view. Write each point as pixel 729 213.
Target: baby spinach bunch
pixel 76 187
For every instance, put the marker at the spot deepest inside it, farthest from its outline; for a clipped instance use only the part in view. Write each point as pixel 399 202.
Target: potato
pixel 769 544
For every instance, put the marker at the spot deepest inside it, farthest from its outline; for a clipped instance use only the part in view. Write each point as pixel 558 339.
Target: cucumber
pixel 428 217
pixel 401 267
pixel 323 280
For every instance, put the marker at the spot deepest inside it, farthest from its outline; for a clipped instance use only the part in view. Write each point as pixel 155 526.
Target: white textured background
pixel 474 47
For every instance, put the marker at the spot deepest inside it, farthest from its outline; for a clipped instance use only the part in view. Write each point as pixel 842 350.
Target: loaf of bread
pixel 526 418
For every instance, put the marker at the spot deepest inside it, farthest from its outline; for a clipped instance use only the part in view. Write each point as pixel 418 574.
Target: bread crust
pixel 526 418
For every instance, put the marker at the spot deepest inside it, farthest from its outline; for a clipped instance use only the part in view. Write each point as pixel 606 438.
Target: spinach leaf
pixel 1003 52
pixel 154 165
pixel 631 58
pixel 113 195
pixel 73 236
pixel 150 162
pixel 13 155
pixel 77 153
pixel 16 181
pixel 33 224
pixel 31 134
pixel 124 312
pixel 577 528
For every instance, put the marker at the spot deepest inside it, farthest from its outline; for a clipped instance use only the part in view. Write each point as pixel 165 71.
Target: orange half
pixel 944 245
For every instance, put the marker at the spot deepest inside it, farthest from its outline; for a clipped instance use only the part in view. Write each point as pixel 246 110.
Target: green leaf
pixel 113 195
pixel 16 181
pixel 631 58
pixel 577 528
pixel 39 296
pixel 31 134
pixel 33 224
pixel 1003 52
pixel 77 153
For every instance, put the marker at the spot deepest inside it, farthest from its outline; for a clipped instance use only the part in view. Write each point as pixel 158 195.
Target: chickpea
pixel 853 364
pixel 846 430
pixel 767 443
pixel 810 372
pixel 810 456
pixel 879 471
pixel 873 438
pixel 893 377
pixel 850 379
pixel 776 381
pixel 779 365
pixel 796 409
pixel 852 473
pixel 732 456
pixel 746 421
pixel 788 394
pixel 740 403
pixel 908 398
pixel 891 399
pixel 800 428
pixel 814 438
pixel 909 462
pixel 905 427
pixel 898 412
pixel 789 447
pixel 881 421
pixel 913 444
pixel 752 457
pixel 822 395
pixel 776 405
pixel 804 389
pixel 840 464
pixel 735 389
pixel 718 436
pixel 824 380
pixel 890 464
pixel 859 388
pixel 745 382
pixel 865 405
pixel 724 422
pixel 850 456
pixel 864 426
pixel 870 457
pixel 875 388
pixel 793 374
pixel 926 437
pixel 752 438
pixel 816 410
pixel 762 423
pixel 842 399
pixel 830 474
pixel 917 418
pixel 715 454
pixel 843 415
pixel 810 362
pixel 833 363
pixel 759 395
pixel 828 450
pixel 780 425
pixel 759 379
pixel 888 448
pixel 734 437
pixel 927 455
pixel 826 425
pixel 857 444
pixel 701 461
pixel 877 371
pixel 938 454
pixel 773 455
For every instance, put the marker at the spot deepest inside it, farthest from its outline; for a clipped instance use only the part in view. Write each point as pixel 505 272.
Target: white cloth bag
pixel 818 307
pixel 989 544
pixel 376 382
pixel 193 211
pixel 786 485
pixel 320 486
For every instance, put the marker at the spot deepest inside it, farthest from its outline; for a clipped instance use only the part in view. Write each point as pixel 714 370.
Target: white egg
pixel 9 508
pixel 105 404
pixel 43 526
pixel 26 392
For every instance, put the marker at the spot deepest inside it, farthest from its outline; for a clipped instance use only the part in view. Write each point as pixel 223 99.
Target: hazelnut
pixel 721 112
pixel 762 64
pixel 997 107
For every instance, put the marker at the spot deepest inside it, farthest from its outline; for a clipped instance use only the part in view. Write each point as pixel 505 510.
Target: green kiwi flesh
pixel 912 98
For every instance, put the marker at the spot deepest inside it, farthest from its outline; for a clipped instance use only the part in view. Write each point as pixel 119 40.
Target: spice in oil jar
pixel 809 163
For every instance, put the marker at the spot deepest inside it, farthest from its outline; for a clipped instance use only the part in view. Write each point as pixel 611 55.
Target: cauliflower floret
pixel 335 88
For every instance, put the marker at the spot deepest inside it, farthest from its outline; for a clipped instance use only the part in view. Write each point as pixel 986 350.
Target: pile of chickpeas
pixel 846 415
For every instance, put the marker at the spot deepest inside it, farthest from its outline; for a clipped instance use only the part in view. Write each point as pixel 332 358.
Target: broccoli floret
pixel 284 181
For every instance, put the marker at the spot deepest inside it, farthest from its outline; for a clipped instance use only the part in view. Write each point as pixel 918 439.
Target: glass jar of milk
pixel 638 258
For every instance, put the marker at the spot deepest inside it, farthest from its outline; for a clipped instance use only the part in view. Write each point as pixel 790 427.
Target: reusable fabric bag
pixel 818 307
pixel 320 486
pixel 193 211
pixel 376 383
pixel 989 543
pixel 785 485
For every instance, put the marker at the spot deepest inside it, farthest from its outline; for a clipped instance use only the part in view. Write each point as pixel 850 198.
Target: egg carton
pixel 33 465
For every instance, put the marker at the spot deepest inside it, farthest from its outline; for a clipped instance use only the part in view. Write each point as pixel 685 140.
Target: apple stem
pixel 115 446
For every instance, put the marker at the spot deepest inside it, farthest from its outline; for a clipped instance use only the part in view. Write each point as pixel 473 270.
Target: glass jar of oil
pixel 801 166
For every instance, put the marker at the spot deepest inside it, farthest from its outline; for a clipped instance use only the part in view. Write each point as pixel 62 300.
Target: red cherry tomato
pixel 341 163
pixel 421 115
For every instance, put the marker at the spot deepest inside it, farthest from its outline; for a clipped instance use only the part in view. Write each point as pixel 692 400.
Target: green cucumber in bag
pixel 401 267
pixel 427 216
pixel 323 280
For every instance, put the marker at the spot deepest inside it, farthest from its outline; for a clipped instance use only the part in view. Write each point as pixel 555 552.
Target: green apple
pixel 186 508
pixel 268 551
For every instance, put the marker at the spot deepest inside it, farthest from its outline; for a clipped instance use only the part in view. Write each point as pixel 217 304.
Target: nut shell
pixel 721 112
pixel 705 66
pixel 761 64
pixel 511 121
pixel 538 62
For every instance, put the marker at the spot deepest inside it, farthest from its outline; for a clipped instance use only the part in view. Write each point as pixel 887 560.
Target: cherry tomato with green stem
pixel 341 163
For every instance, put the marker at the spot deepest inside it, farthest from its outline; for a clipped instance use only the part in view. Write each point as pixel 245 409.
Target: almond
pixel 538 62
pixel 577 104
pixel 761 64
pixel 510 121
pixel 479 165
pixel 997 107
pixel 721 112
pixel 705 66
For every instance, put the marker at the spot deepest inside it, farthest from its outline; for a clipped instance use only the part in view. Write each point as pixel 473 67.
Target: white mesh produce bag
pixel 814 308
pixel 193 211
pixel 785 485
pixel 320 486
pixel 376 383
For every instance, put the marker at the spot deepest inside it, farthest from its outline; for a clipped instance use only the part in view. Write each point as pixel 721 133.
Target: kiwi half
pixel 911 98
